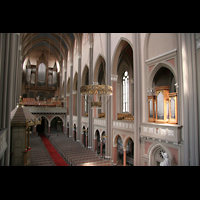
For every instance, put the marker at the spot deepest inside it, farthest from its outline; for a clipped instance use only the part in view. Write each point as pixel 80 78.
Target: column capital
pixel 79 56
pixel 91 45
pixel 114 77
pixel 115 145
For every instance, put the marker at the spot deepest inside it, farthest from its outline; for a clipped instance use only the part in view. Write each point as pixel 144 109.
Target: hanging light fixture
pixel 94 93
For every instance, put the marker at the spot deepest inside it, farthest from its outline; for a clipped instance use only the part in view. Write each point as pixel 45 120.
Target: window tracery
pixel 125 85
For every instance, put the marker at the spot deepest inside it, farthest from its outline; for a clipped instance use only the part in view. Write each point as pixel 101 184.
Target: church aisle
pixel 53 153
pixel 39 156
pixel 75 154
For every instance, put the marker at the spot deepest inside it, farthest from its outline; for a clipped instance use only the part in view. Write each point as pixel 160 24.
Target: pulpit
pixel 21 121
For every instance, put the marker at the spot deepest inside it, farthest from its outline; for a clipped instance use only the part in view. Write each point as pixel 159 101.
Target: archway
pixel 155 154
pixel 123 89
pixel 85 81
pixel 75 84
pixel 164 77
pixel 68 129
pixel 129 152
pixel 100 77
pixel 119 151
pixel 74 132
pixel 41 129
pixel 83 136
pixel 97 142
pixel 103 144
pixel 56 125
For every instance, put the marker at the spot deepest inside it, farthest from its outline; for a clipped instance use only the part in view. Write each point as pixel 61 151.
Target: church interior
pixel 99 99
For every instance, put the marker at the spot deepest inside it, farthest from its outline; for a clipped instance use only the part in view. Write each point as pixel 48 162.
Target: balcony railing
pixel 35 109
pixel 123 125
pixel 161 132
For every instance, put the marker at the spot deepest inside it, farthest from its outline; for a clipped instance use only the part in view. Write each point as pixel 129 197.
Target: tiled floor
pixel 74 153
pixel 39 155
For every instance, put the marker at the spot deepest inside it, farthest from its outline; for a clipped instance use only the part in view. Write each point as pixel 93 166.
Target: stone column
pixel 79 100
pixel 95 144
pixel 114 153
pixel 49 128
pixel 189 97
pixel 71 101
pixel 114 96
pixel 101 148
pixel 86 140
pixel 90 111
pixel 35 130
pixel 8 63
pixel 65 96
pixel 137 96
pixel 124 156
pixel 108 104
pixel 60 83
pixel 63 128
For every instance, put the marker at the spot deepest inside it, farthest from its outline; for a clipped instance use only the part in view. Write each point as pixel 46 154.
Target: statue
pixel 166 161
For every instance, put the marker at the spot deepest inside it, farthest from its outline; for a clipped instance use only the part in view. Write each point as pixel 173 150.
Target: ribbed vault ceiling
pixel 56 45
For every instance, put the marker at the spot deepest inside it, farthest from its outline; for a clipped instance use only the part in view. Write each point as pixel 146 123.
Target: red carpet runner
pixel 53 153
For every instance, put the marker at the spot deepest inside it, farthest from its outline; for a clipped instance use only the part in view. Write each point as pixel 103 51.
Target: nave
pixel 72 152
pixel 75 154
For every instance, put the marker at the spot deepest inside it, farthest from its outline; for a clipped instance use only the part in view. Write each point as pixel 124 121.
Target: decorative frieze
pixel 124 125
pixel 114 77
pixel 161 132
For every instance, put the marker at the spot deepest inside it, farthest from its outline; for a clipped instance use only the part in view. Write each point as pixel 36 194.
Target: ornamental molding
pixel 114 77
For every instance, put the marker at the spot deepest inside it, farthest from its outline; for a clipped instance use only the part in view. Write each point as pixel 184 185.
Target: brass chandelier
pixel 95 93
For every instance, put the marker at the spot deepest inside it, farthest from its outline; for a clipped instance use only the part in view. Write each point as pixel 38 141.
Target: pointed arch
pixel 75 81
pixel 55 117
pixel 100 59
pixel 157 67
pixel 126 139
pixel 153 149
pixel 45 118
pixel 116 137
pixel 119 47
pixel 85 75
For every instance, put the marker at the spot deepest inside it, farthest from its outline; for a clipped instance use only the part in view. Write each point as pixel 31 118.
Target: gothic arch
pixel 95 133
pixel 126 139
pixel 117 52
pixel 75 80
pixel 49 122
pixel 84 74
pixel 100 59
pixel 157 67
pixel 57 116
pixel 115 138
pixel 153 149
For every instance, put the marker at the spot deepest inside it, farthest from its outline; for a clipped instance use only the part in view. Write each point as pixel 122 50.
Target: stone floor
pixel 39 155
pixel 75 154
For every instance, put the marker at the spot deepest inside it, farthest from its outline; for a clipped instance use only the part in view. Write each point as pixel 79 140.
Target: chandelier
pixel 93 93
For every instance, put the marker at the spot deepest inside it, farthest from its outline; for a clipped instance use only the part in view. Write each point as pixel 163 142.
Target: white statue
pixel 166 161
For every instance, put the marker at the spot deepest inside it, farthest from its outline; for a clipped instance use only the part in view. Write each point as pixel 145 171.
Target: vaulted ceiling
pixel 55 46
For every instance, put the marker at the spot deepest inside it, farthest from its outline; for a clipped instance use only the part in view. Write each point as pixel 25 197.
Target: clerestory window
pixel 125 87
